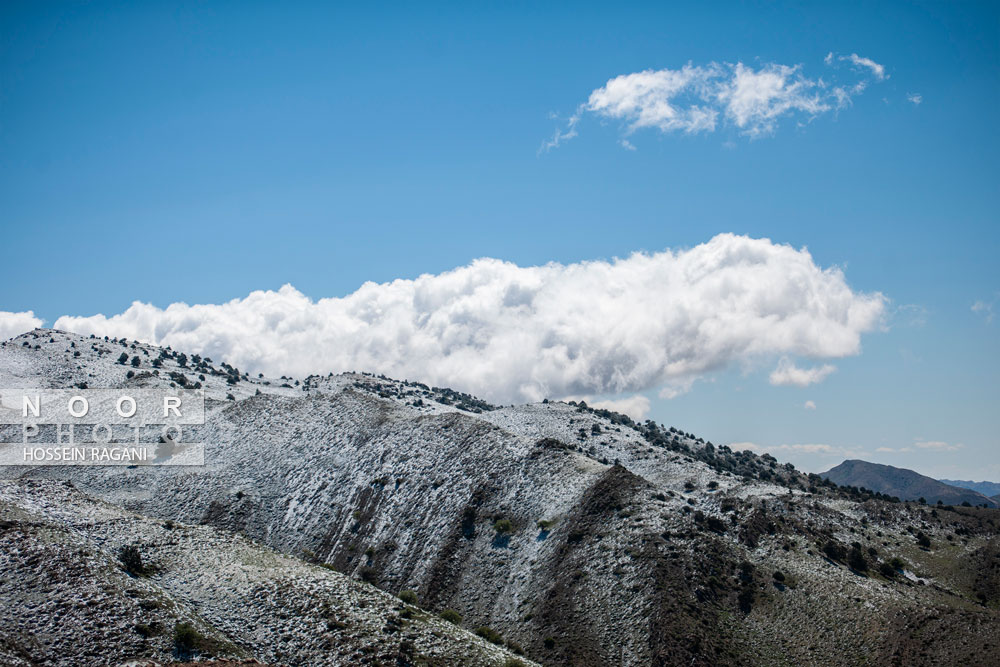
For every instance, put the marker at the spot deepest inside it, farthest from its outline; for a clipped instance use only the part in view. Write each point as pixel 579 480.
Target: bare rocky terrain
pixel 573 535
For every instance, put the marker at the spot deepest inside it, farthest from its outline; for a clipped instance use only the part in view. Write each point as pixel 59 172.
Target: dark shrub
pixel 131 560
pixel 490 635
pixel 716 525
pixel 451 616
pixel 833 550
pixel 856 560
pixel 503 526
pixel 408 596
pixel 779 576
pixel 187 639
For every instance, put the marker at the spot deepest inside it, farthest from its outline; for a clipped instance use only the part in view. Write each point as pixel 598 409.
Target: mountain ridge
pixel 990 489
pixel 903 483
pixel 578 534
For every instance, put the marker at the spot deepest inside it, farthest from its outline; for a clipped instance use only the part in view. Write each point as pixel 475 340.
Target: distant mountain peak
pixel 903 483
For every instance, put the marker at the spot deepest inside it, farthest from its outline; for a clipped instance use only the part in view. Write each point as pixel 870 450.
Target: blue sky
pixel 197 152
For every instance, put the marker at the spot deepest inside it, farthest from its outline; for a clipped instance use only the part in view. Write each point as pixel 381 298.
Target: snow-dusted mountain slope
pixel 580 535
pixel 66 598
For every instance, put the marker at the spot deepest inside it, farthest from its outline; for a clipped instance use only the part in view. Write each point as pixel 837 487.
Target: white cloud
pixel 636 407
pixel 697 98
pixel 787 373
pixel 791 449
pixel 927 445
pixel 510 333
pixel 809 405
pixel 937 445
pixel 916 98
pixel 878 71
pixel 13 324
pixel 984 308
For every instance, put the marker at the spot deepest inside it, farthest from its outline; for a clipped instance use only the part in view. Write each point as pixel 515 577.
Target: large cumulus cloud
pixel 511 333
pixel 13 324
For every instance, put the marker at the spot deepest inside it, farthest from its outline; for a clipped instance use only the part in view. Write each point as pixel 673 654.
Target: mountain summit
pixel 903 484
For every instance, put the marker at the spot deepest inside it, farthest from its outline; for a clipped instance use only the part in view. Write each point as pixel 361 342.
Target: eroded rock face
pixel 68 599
pixel 580 536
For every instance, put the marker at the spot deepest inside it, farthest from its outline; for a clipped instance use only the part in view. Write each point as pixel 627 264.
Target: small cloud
pixel 937 446
pixel 810 448
pixel 927 445
pixel 627 145
pixel 787 373
pixel 809 405
pixel 561 135
pixel 915 98
pixel 984 308
pixel 877 70
pixel 676 389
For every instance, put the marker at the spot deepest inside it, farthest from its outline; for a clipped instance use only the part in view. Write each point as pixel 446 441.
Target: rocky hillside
pixel 903 484
pixel 87 583
pixel 573 534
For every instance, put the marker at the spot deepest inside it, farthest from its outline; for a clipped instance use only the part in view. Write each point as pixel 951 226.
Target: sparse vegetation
pixel 131 560
pixel 490 635
pixel 503 526
pixel 187 640
pixel 451 616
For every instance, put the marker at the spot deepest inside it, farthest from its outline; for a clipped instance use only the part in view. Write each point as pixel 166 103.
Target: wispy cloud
pixel 938 445
pixel 787 373
pixel 799 449
pixel 925 445
pixel 511 333
pixel 878 71
pixel 809 405
pixel 910 314
pixel 702 98
pixel 984 308
pixel 915 98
